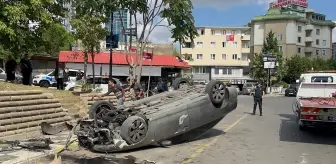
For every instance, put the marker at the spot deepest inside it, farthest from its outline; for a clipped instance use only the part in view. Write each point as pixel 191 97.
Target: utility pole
pixel 111 45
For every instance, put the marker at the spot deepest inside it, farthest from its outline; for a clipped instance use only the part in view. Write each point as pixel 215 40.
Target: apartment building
pixel 299 30
pixel 333 51
pixel 220 53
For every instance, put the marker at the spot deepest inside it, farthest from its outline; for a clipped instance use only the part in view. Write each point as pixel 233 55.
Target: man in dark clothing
pixel 258 95
pixel 117 90
pixel 60 76
pixel 26 70
pixel 159 86
pixel 10 69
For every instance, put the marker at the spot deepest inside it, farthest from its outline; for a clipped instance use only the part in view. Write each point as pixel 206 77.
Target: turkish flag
pixel 230 38
pixel 132 49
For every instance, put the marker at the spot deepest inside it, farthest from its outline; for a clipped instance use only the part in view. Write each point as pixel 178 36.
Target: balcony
pixel 309 27
pixel 246 37
pixel 246 50
pixel 309 39
pixel 308 49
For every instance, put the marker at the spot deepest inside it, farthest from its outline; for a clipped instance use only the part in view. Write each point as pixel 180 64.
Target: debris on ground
pixel 31 144
pixel 49 129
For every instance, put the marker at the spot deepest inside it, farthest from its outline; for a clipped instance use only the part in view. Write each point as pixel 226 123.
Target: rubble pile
pixel 24 111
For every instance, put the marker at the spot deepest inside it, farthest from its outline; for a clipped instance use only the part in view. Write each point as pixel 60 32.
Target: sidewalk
pixel 24 155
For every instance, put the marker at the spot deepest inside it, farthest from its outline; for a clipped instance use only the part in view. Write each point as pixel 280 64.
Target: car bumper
pixel 318 124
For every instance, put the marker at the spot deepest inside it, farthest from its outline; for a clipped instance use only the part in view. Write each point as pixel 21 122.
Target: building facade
pixel 333 51
pixel 299 30
pixel 120 21
pixel 220 53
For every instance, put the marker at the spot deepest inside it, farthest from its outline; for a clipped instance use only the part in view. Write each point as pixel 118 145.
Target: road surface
pixel 241 138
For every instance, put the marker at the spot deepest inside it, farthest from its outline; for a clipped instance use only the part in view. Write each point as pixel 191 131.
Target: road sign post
pixel 269 63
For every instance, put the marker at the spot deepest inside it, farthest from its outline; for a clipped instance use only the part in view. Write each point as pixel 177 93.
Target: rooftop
pixel 223 27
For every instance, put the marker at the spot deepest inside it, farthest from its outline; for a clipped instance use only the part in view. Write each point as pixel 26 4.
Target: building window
pixel 324 43
pixel 235 44
pixel 213 44
pixel 213 32
pixel 317 31
pixel 224 44
pixel 299 39
pixel 216 71
pixel 279 36
pixel 187 56
pixel 227 71
pixel 199 56
pixel 213 56
pixel 198 69
pixel 324 52
pixel 299 50
pixel 317 52
pixel 299 28
pixel 233 32
pixel 317 42
pixel 199 44
pixel 187 45
pixel 280 48
pixel 234 56
pixel 223 32
pixel 224 56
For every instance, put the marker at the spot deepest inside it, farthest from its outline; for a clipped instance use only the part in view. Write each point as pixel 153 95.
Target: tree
pixel 296 65
pixel 150 15
pixel 270 46
pixel 87 23
pixel 18 34
pixel 56 38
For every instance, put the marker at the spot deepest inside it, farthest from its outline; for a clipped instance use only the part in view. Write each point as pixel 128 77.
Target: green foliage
pixel 270 46
pixel 298 64
pixel 17 36
pixel 280 84
pixel 56 38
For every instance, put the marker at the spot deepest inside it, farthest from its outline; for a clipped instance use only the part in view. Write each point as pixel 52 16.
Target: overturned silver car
pixel 180 115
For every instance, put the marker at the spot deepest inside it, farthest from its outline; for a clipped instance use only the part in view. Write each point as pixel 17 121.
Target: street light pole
pixel 111 34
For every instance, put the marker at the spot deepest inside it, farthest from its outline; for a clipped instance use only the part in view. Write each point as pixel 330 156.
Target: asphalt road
pixel 241 138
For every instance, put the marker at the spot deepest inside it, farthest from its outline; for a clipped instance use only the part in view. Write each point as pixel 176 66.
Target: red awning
pixel 120 59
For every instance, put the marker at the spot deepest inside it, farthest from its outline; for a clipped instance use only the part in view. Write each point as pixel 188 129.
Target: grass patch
pixel 72 102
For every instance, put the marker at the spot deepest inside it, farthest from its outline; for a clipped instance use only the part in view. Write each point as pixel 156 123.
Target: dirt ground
pixel 71 102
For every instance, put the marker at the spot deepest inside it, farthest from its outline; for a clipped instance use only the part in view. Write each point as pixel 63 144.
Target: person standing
pixel 26 70
pixel 10 69
pixel 136 90
pixel 258 95
pixel 117 90
pixel 60 76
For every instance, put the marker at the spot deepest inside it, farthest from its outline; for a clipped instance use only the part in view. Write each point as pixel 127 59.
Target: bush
pixel 281 84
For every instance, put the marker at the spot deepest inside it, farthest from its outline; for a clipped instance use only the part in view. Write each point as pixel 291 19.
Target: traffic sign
pixel 269 58
pixel 129 31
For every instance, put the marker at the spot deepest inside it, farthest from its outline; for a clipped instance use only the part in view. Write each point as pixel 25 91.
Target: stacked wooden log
pixel 24 111
pixel 112 98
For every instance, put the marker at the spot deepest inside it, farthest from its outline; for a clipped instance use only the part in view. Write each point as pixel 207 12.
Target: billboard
pixel 281 3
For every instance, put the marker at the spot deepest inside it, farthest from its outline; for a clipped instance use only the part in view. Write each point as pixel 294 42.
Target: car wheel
pixel 180 83
pixel 216 91
pixel 134 129
pixel 45 84
pixel 99 108
pixel 302 128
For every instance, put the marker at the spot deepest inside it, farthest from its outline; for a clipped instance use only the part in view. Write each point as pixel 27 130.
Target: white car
pixel 101 83
pixel 48 80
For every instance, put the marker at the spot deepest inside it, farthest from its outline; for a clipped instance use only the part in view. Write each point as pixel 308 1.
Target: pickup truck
pixel 315 105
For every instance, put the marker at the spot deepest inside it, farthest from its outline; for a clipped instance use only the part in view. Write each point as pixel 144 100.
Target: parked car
pixel 101 83
pixel 292 90
pixel 3 76
pixel 248 88
pixel 48 80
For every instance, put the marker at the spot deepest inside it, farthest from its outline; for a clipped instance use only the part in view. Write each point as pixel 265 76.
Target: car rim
pixel 218 92
pixel 137 130
pixel 182 85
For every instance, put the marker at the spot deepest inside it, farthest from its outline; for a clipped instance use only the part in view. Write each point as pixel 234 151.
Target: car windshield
pixel 293 86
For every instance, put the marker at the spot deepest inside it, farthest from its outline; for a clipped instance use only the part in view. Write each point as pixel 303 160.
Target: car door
pixel 72 76
pixel 3 75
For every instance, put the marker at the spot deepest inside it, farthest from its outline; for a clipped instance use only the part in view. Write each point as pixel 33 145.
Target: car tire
pixel 216 91
pixel 178 81
pixel 44 84
pixel 134 129
pixel 302 128
pixel 99 107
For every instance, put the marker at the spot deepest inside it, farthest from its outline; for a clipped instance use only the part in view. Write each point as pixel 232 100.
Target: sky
pixel 239 13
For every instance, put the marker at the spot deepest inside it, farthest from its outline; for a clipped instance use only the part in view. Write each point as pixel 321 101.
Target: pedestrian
pixel 10 69
pixel 60 76
pixel 159 86
pixel 79 75
pixel 26 70
pixel 258 95
pixel 135 89
pixel 116 89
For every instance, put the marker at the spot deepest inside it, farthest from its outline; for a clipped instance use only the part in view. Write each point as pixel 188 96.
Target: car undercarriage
pixel 182 114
